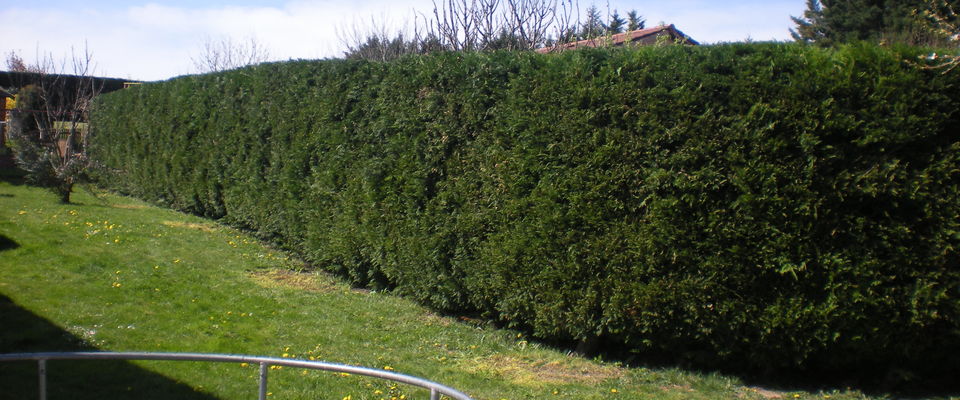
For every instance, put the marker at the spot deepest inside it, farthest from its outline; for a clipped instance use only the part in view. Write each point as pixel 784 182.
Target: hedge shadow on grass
pixel 22 331
pixel 7 243
pixel 11 175
pixel 881 380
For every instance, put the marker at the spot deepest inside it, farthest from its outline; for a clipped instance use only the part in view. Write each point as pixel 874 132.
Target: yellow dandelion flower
pixel 613 390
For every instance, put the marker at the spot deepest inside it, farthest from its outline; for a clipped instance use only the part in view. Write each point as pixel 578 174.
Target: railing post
pixel 42 376
pixel 437 391
pixel 263 381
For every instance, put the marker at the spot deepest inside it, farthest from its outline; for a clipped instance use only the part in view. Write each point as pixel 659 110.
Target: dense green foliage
pixel 764 206
pixel 831 22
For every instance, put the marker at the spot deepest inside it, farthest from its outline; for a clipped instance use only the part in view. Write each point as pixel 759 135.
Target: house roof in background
pixel 640 36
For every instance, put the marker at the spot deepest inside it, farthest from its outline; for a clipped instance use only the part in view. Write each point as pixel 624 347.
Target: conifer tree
pixel 616 23
pixel 829 22
pixel 593 25
pixel 635 21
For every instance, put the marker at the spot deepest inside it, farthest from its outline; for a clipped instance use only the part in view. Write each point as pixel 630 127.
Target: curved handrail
pixel 436 389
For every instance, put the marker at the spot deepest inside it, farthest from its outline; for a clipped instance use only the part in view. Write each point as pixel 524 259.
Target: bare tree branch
pixel 48 132
pixel 224 53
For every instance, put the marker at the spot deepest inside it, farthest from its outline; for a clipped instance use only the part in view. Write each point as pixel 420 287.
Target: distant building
pixel 642 37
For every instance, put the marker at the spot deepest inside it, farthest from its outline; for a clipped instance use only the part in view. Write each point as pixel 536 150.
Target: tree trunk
pixel 64 190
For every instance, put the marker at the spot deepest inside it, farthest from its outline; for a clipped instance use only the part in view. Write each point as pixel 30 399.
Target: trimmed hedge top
pixel 758 205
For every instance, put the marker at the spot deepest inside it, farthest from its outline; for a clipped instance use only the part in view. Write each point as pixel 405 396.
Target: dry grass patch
pixel 540 372
pixel 191 225
pixel 285 278
pixel 130 206
pixel 431 319
pixel 767 394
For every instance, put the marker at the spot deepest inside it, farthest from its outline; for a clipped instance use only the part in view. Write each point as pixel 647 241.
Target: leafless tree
pixel 470 25
pixel 531 20
pixel 226 53
pixel 465 25
pixel 567 21
pixel 48 132
pixel 375 41
pixel 454 22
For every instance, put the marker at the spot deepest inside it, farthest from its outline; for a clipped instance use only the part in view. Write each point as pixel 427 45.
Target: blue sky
pixel 153 40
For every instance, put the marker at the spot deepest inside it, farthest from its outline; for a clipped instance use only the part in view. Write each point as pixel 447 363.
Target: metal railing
pixel 436 389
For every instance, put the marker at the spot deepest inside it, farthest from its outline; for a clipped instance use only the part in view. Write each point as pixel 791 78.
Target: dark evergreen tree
pixel 616 23
pixel 635 21
pixel 593 25
pixel 828 22
pixel 810 27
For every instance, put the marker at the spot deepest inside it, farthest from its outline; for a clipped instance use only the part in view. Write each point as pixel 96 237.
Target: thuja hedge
pixel 764 206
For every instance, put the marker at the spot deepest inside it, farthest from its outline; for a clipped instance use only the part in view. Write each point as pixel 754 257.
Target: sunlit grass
pixel 119 275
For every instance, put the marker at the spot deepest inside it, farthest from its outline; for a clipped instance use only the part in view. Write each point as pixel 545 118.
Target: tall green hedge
pixel 751 205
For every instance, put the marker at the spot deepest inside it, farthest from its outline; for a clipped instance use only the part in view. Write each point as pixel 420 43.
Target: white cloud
pixel 155 41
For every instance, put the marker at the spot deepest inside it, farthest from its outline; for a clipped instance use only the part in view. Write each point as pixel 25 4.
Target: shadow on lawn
pixel 12 175
pixel 933 381
pixel 21 331
pixel 7 243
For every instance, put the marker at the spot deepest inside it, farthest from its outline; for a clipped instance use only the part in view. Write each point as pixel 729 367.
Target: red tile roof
pixel 639 37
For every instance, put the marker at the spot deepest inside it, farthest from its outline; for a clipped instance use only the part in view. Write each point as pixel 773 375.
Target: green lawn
pixel 115 274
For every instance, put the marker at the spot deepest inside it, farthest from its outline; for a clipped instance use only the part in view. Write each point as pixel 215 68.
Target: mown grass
pixel 115 274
